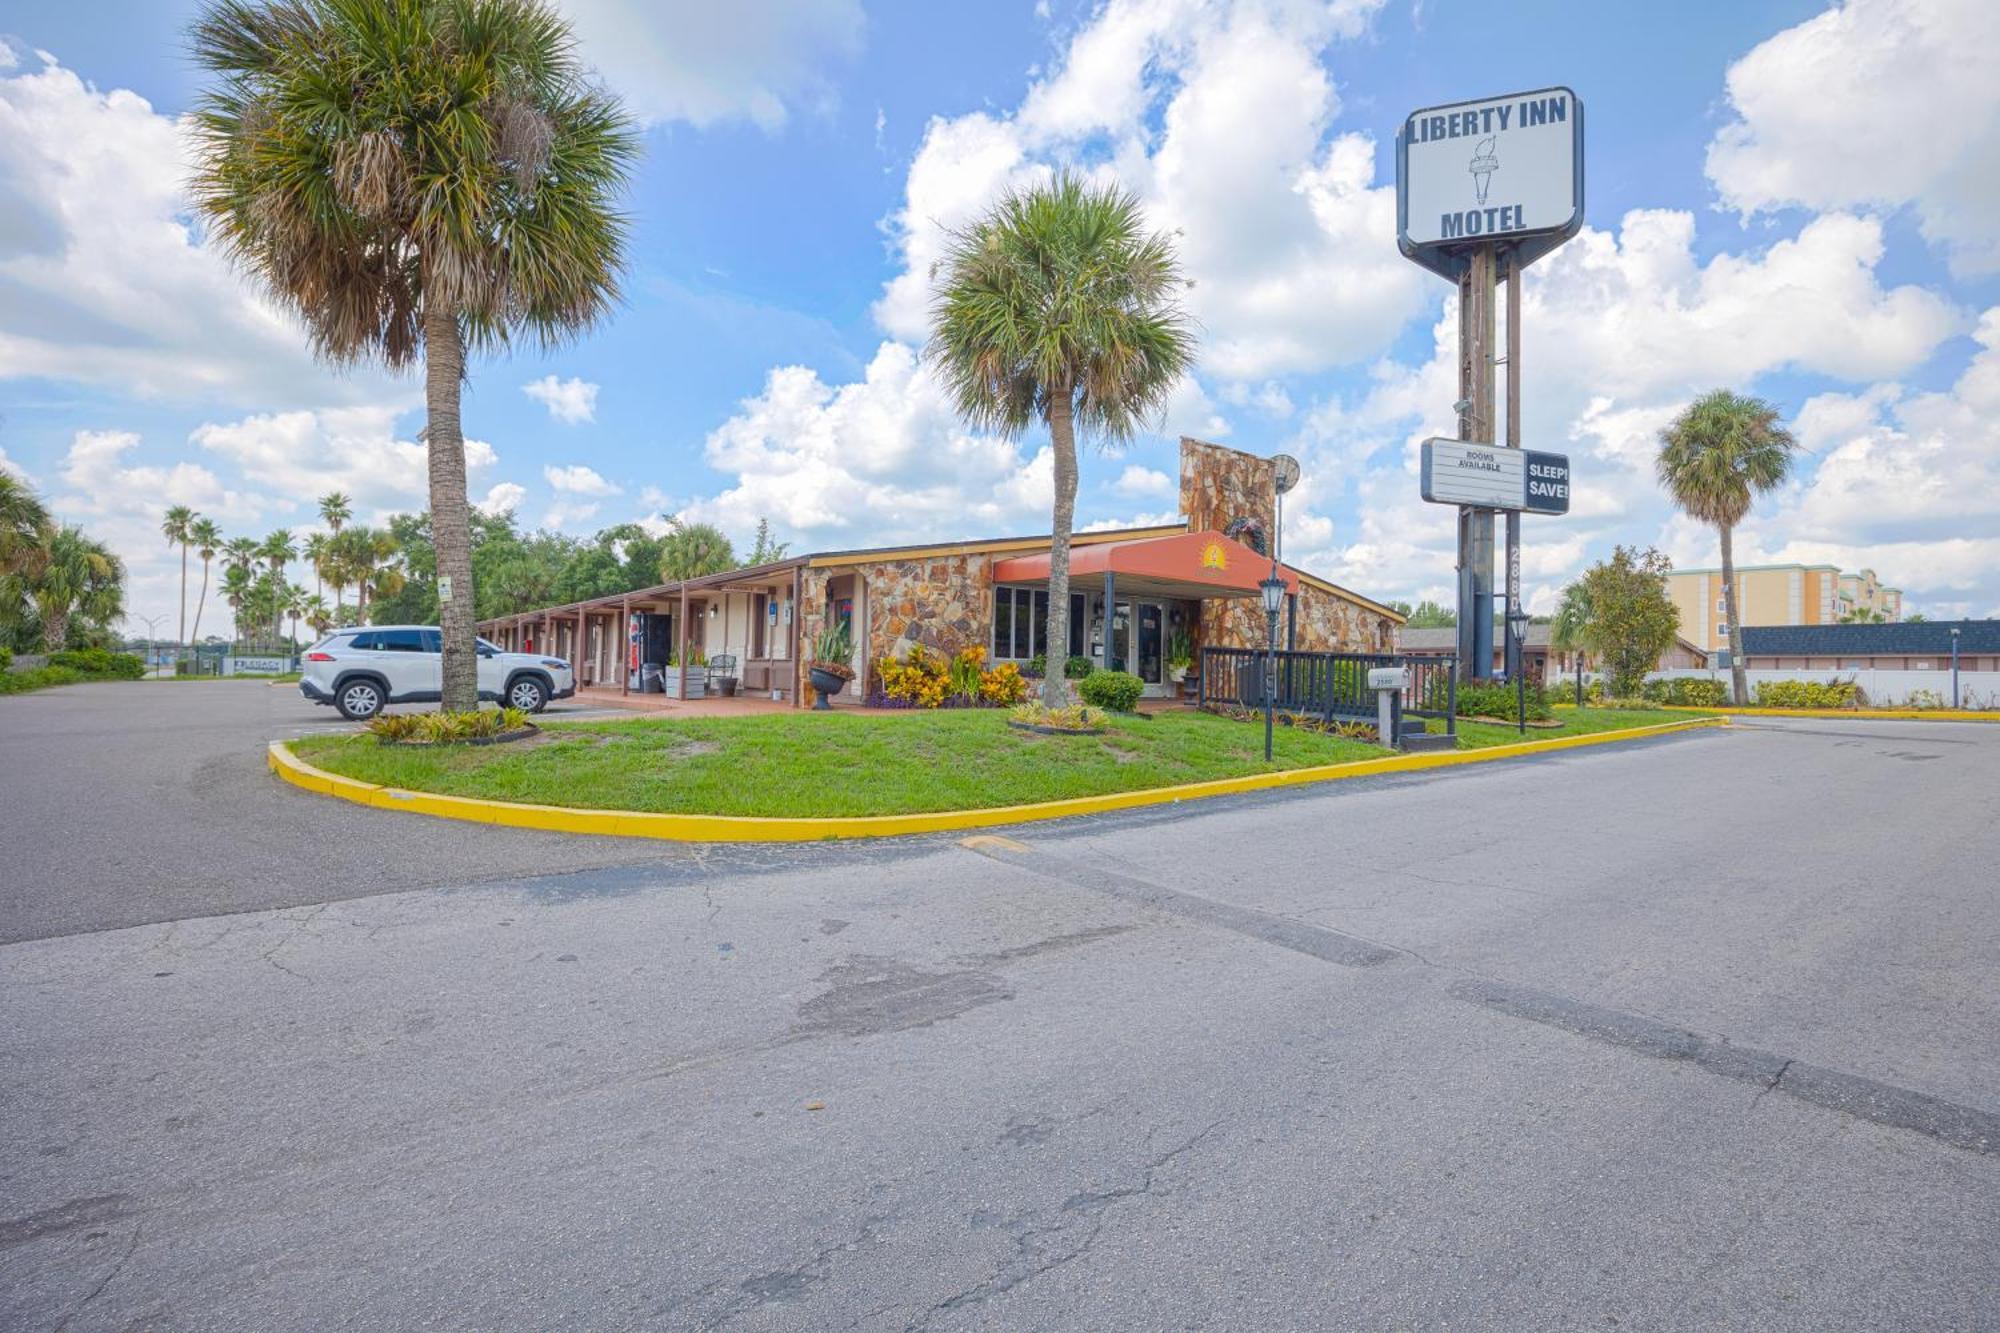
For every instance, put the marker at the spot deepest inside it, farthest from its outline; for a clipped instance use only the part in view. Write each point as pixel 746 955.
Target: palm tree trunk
pixel 1739 680
pixel 203 600
pixel 1062 436
pixel 55 629
pixel 451 512
pixel 184 595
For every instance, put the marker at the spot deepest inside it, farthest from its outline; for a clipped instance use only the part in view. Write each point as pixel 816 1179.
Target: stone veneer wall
pixel 943 602
pixel 1220 485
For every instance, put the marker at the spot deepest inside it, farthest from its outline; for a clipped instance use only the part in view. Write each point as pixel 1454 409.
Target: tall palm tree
pixel 295 606
pixel 279 549
pixel 317 616
pixel 175 527
pixel 237 586
pixel 79 577
pixel 240 556
pixel 1715 458
pixel 313 551
pixel 413 178
pixel 24 525
pixel 335 508
pixel 1059 307
pixel 207 539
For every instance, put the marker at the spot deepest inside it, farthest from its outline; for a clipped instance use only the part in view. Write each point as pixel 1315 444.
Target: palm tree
pixel 240 555
pixel 295 606
pixel 409 179
pixel 175 528
pixel 1566 634
pixel 207 538
pixel 317 616
pixel 1059 307
pixel 1715 459
pixel 335 508
pixel 24 525
pixel 78 577
pixel 237 587
pixel 313 550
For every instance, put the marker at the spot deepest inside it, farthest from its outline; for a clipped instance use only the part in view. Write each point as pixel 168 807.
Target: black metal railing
pixel 1328 685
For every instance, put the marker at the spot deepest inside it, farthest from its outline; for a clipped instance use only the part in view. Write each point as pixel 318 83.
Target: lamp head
pixel 1274 595
pixel 1284 473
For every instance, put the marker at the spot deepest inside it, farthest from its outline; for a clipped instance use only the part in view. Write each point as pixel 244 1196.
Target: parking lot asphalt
pixel 149 801
pixel 1698 1033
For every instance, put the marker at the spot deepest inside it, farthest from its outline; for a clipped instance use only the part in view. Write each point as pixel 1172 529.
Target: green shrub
pixel 1075 718
pixel 1499 701
pixel 1921 699
pixel 1807 694
pixel 1074 668
pixel 36 678
pixel 6 657
pixel 100 662
pixel 1118 691
pixel 1686 692
pixel 436 728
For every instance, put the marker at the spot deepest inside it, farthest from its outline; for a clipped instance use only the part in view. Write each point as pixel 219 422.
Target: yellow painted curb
pixel 752 828
pixel 1891 714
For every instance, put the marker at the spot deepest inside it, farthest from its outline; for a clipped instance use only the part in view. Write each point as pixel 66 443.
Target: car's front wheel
pixel 528 694
pixel 359 700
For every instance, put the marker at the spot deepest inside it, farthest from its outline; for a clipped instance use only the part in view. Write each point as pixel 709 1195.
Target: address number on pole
pixel 1388 678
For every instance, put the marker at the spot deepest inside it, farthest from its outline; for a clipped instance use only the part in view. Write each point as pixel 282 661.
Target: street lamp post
pixel 1517 629
pixel 1954 666
pixel 1274 595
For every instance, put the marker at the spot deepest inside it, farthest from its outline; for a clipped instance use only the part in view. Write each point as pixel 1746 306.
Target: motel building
pixel 1133 593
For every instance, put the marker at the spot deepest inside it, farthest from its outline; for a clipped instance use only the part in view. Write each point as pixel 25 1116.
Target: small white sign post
pixel 1387 682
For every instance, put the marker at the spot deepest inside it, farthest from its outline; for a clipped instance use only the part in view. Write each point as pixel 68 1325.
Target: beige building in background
pixel 1770 595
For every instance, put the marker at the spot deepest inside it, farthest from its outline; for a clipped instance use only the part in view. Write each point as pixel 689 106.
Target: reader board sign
pixel 1506 169
pixel 1485 477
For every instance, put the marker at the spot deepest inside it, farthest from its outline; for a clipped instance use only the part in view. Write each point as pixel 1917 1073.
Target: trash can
pixel 650 679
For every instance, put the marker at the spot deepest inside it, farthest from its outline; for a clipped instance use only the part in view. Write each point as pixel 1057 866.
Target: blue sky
pixel 1785 198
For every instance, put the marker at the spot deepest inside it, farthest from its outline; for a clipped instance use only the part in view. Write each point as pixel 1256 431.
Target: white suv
pixel 363 670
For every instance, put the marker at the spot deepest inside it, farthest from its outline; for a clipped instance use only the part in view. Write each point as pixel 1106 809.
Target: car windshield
pixel 484 646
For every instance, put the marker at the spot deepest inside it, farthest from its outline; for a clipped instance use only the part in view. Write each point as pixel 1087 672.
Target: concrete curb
pixel 749 828
pixel 1890 714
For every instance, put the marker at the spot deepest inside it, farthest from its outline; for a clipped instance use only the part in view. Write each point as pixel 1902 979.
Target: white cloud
pixel 8 465
pixel 879 461
pixel 303 455
pixel 572 400
pixel 704 63
pixel 1136 482
pixel 502 497
pixel 1289 239
pixel 1874 102
pixel 578 480
pixel 103 280
pixel 570 514
pixel 1621 329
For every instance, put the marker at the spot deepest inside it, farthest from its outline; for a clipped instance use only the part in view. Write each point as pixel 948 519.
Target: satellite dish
pixel 1285 472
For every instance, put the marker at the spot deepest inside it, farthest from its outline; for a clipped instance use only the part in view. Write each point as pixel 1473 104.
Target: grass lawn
pixel 847 764
pixel 818 764
pixel 1575 722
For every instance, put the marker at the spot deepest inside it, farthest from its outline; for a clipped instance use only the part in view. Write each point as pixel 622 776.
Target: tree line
pixel 392 570
pixel 59 587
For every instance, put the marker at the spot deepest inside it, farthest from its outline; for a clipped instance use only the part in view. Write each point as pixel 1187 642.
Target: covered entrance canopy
pixel 1193 565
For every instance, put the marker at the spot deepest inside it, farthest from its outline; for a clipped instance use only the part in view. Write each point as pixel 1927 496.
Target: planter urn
pixel 828 684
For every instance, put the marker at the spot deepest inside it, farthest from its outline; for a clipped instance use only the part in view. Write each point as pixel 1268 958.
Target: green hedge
pixel 6 657
pixel 1500 701
pixel 20 682
pixel 1686 692
pixel 1808 694
pixel 100 662
pixel 1118 691
pixel 1074 668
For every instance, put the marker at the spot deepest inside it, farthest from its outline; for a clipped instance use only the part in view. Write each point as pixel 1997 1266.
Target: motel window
pixel 1020 623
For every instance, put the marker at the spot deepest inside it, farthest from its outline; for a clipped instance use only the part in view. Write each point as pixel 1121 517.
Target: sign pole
pixel 1477 290
pixel 1514 643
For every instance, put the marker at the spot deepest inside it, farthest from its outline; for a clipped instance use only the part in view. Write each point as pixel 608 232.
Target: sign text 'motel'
pixel 1500 169
pixel 1485 477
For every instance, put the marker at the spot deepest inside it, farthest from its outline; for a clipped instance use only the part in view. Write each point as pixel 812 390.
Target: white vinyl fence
pixel 1883 688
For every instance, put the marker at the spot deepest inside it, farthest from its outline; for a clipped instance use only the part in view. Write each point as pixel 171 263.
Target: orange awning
pixel 1192 564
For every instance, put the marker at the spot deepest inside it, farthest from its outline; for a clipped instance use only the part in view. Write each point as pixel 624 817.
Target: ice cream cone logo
pixel 1484 164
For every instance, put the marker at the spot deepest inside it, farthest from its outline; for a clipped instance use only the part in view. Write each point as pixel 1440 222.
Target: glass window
pixel 399 641
pixel 1003 622
pixel 1040 630
pixel 1076 624
pixel 363 642
pixel 433 641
